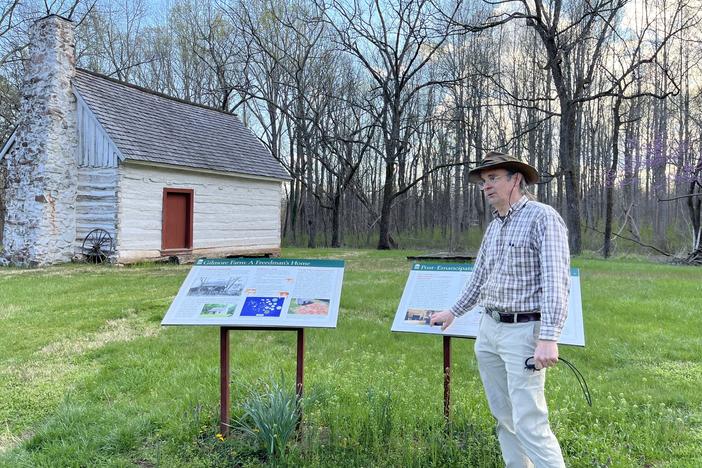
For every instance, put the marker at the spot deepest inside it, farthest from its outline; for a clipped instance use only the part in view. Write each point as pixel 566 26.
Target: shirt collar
pixel 515 207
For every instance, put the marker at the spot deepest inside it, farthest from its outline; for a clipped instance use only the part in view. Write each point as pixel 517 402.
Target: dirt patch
pixel 117 330
pixel 10 441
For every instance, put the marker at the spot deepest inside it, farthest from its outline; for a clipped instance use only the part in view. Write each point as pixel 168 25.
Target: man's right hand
pixel 445 318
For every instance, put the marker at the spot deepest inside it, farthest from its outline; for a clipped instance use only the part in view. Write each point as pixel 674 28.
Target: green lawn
pixel 89 378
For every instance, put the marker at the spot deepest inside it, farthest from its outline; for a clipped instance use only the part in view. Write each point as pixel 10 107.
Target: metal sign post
pixel 224 395
pixel 224 371
pixel 300 371
pixel 447 377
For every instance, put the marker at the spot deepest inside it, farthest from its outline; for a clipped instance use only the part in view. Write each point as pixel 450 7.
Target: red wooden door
pixel 177 219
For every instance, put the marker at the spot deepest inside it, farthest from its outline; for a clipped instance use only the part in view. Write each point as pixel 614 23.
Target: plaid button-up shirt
pixel 523 265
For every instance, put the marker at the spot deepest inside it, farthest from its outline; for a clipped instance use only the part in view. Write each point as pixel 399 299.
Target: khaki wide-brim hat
pixel 497 160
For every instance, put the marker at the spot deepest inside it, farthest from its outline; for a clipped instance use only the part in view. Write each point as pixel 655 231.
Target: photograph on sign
pixel 259 292
pixel 431 288
pixel 209 286
pixel 419 316
pixel 305 306
pixel 218 310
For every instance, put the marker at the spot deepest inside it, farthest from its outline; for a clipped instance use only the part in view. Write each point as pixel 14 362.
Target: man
pixel 521 278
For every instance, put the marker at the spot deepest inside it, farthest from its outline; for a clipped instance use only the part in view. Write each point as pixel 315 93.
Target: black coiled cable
pixel 578 375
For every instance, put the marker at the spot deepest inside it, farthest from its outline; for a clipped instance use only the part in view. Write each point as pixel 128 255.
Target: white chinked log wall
pixel 96 200
pixel 232 215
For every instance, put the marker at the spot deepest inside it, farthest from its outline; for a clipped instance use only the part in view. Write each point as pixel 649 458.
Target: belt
pixel 513 318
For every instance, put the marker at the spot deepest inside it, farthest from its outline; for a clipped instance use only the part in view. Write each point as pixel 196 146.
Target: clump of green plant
pixel 271 416
pixel 377 429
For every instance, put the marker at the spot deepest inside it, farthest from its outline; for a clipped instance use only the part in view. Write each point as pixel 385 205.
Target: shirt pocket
pixel 522 259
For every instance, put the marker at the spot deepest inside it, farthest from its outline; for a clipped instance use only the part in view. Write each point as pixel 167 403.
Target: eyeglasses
pixel 491 180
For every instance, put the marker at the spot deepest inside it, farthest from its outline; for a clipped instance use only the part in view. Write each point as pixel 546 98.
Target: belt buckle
pixel 495 315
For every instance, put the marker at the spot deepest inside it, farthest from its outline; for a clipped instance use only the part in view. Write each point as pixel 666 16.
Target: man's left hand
pixel 546 354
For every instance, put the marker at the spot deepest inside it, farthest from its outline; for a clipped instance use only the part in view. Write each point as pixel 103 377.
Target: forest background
pixel 378 109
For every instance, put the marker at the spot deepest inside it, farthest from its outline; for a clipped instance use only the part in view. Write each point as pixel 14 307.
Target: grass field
pixel 89 378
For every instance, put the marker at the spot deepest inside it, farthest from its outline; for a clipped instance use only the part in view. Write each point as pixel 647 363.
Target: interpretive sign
pixel 431 288
pixel 259 292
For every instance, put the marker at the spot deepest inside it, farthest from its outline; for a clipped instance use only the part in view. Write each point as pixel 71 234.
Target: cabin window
pixel 177 229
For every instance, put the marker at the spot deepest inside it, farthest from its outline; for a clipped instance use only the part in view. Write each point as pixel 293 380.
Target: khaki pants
pixel 515 394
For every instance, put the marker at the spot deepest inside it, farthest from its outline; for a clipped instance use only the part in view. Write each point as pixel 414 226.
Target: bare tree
pixel 395 43
pixel 572 35
pixel 113 39
pixel 8 20
pixel 632 60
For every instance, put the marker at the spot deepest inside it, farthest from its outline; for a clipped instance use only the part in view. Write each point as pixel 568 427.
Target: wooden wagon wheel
pixel 97 246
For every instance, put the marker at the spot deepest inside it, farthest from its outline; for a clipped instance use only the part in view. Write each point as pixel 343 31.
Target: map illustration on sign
pixel 262 307
pixel 432 288
pixel 265 292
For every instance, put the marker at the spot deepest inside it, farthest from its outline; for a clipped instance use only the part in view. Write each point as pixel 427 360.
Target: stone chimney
pixel 42 169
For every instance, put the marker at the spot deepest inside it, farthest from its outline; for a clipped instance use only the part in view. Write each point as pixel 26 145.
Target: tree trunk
pixel 336 221
pixel 388 191
pixel 694 204
pixel 456 196
pixel 611 176
pixel 571 175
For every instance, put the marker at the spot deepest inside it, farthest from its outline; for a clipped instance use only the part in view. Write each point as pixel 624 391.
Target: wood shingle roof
pixel 151 127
